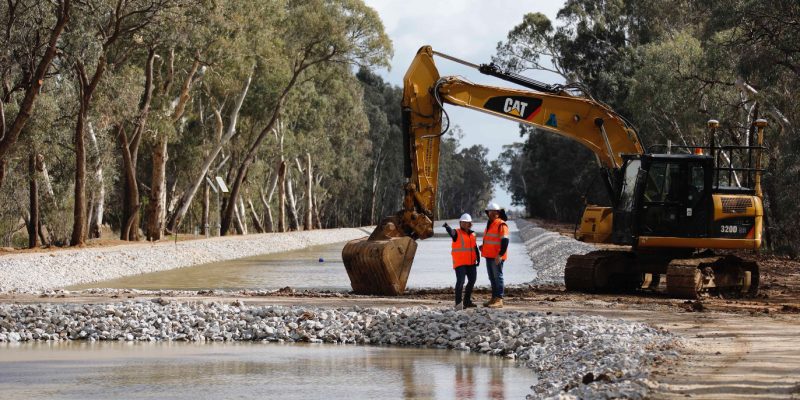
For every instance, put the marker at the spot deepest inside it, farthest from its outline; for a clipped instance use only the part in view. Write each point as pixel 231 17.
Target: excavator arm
pixel 549 108
pixel 381 263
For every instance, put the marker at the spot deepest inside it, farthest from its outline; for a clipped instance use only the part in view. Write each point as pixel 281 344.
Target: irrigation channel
pixel 320 268
pixel 67 370
pixel 80 370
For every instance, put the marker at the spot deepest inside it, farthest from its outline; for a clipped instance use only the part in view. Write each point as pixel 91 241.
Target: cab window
pixel 663 183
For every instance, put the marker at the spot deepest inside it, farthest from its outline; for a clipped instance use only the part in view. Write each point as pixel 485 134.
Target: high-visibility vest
pixel 492 237
pixel 464 248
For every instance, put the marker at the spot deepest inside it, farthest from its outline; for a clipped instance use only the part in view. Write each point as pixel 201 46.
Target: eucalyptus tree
pixel 104 35
pixel 241 32
pixel 313 33
pixel 30 38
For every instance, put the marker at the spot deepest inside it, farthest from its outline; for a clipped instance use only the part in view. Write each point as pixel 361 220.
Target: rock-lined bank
pixel 31 272
pixel 573 356
pixel 549 251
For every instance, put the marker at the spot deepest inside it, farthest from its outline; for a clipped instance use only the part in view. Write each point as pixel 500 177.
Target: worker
pixel 495 250
pixel 466 258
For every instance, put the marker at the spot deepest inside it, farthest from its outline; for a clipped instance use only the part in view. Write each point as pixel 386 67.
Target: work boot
pixel 487 302
pixel 497 303
pixel 469 304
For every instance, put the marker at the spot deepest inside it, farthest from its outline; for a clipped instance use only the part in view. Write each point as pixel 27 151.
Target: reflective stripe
pixel 463 249
pixel 493 239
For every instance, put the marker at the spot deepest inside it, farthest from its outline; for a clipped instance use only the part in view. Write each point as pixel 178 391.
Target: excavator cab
pixel 663 195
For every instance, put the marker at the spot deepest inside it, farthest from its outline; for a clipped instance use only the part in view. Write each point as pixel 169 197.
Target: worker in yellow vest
pixel 466 258
pixel 494 250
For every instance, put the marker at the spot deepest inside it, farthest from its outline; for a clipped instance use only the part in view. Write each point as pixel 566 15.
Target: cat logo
pixel 521 107
pixel 515 107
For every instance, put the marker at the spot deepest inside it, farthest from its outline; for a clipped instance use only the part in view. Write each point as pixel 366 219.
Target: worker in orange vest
pixel 494 250
pixel 466 258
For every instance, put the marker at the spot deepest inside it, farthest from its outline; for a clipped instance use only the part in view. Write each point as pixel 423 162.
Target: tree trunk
pixel 243 216
pixel 256 219
pixel 309 220
pixel 282 197
pixel 129 229
pixel 291 203
pixel 45 241
pixel 156 209
pixel 204 226
pixel 79 210
pixel 99 196
pixel 268 221
pixel 87 87
pixel 33 222
pixel 237 222
pixel 316 213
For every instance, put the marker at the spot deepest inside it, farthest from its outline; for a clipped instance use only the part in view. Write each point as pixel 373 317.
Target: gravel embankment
pixel 549 252
pixel 31 272
pixel 574 356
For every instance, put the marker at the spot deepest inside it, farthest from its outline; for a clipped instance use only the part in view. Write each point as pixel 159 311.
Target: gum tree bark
pixel 282 197
pixel 204 225
pixel 291 203
pixel 99 196
pixel 33 221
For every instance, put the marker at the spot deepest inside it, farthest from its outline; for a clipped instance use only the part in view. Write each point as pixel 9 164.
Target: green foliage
pixel 323 112
pixel 668 67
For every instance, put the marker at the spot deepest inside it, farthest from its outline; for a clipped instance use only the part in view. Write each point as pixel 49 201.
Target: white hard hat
pixel 465 218
pixel 493 207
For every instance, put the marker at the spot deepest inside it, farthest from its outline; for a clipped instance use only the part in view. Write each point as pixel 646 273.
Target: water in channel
pixel 252 370
pixel 302 269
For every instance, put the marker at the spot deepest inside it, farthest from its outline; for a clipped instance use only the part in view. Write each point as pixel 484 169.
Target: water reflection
pixel 174 371
pixel 302 270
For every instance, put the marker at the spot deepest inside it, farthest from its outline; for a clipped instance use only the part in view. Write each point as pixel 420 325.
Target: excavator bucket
pixel 379 267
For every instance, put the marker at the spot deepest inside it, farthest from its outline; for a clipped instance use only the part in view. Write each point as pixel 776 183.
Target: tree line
pixel 668 67
pixel 152 117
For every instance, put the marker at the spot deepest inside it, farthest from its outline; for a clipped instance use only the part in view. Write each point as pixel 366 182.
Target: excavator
pixel 670 214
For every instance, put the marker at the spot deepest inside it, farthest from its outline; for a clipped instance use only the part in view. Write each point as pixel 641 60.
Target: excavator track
pixel 686 278
pixel 601 271
pixel 727 276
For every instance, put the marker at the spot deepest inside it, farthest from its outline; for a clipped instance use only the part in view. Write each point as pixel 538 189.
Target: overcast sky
pixel 469 30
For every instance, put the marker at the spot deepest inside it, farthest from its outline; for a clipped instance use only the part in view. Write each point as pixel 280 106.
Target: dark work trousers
pixel 470 272
pixel 495 276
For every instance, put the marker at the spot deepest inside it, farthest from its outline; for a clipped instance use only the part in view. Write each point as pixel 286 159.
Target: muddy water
pixel 252 370
pixel 321 268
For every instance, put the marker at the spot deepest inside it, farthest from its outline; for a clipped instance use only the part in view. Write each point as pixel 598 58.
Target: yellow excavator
pixel 669 210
